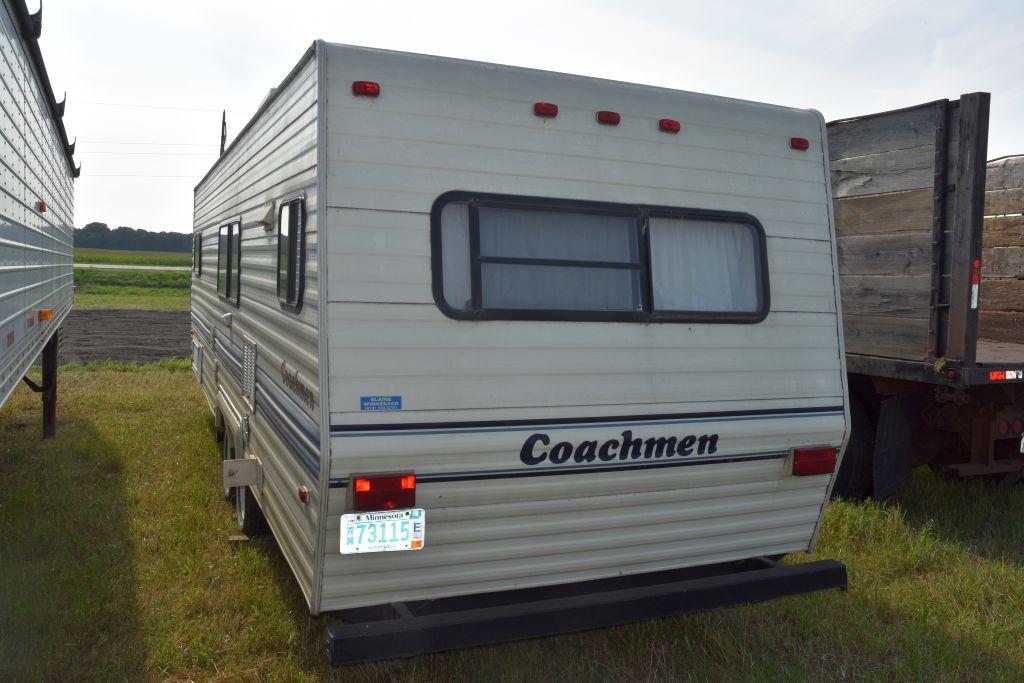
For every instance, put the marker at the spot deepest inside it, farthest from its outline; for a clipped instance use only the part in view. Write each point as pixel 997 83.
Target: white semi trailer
pixel 499 352
pixel 37 173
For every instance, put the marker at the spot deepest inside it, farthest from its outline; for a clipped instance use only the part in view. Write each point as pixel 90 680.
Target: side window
pixel 197 255
pixel 223 260
pixel 291 256
pixel 705 266
pixel 228 260
pixel 522 258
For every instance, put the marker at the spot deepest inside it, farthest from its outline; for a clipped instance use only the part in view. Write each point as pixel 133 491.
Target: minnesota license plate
pixel 379 532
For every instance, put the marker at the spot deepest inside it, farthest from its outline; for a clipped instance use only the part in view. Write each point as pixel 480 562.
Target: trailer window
pixel 229 242
pixel 705 266
pixel 197 255
pixel 499 257
pixel 291 253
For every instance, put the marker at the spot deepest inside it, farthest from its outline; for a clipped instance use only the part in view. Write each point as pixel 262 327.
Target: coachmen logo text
pixel 535 449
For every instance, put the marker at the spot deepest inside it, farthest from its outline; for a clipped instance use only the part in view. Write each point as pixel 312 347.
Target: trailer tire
pixel 227 452
pixel 248 513
pixel 855 475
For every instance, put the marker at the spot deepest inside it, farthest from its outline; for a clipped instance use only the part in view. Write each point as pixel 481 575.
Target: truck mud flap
pixel 414 628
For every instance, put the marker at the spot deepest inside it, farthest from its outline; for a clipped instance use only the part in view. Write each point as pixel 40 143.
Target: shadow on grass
pixel 979 515
pixel 67 594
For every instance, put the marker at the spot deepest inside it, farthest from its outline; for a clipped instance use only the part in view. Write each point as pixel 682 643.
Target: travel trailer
pixel 36 211
pixel 499 353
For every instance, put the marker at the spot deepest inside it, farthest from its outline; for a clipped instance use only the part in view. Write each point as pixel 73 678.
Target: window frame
pixel 197 254
pixel 300 257
pixel 642 212
pixel 233 262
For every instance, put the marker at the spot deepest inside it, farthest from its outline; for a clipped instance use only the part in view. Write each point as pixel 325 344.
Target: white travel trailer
pixel 517 352
pixel 36 209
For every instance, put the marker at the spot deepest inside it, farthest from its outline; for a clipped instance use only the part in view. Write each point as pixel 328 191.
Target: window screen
pixel 228 261
pixel 290 253
pixel 498 257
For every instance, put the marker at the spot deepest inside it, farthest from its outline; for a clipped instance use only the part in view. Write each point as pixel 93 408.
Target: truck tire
pixel 854 478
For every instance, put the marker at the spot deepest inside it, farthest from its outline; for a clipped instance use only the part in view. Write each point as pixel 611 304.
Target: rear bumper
pixel 407 629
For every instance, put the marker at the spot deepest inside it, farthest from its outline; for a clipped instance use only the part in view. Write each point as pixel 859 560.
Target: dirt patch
pixel 124 335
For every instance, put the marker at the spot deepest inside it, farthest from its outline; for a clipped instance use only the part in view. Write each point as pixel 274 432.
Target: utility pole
pixel 223 130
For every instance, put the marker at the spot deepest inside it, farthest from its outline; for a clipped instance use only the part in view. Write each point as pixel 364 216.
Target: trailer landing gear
pixel 49 386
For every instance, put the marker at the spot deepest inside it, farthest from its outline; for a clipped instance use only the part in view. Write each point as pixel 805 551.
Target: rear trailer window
pixel 519 258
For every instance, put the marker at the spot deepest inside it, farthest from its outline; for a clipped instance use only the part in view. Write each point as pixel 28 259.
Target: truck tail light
pixel 810 461
pixel 383 491
pixel 800 143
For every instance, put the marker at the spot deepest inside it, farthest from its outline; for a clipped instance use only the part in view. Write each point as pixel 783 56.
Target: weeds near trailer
pixel 155 290
pixel 116 564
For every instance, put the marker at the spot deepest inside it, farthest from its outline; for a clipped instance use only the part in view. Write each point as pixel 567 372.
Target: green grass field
pixel 115 564
pixel 133 258
pixel 156 290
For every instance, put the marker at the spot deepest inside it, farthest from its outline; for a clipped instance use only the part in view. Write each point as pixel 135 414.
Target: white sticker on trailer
pixel 385 531
pixel 974 296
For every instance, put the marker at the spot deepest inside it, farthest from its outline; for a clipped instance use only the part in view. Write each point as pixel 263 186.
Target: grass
pixel 133 258
pixel 158 290
pixel 116 565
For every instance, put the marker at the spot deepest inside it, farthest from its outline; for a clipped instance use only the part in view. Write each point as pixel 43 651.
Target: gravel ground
pixel 95 335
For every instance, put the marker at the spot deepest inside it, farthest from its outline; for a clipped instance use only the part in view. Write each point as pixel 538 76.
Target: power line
pixel 154 154
pixel 137 142
pixel 134 175
pixel 151 106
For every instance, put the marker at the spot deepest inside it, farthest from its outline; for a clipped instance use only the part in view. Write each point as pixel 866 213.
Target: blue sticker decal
pixel 380 403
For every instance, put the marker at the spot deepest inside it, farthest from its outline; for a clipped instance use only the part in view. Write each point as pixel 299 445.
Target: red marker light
pixel 303 495
pixel 1018 426
pixel 976 272
pixel 367 88
pixel 799 143
pixel 812 461
pixel 545 109
pixel 384 491
pixel 951 374
pixel 996 375
pixel 1004 427
pixel 609 118
pixel 668 125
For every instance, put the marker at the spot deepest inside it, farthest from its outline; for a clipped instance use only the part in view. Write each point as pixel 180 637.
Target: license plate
pixel 379 532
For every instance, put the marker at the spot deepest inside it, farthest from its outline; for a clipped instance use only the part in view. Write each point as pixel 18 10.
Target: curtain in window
pixel 700 265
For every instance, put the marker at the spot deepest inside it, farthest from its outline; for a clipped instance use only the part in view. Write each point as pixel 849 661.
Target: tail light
pixel 383 491
pixel 799 143
pixel 609 118
pixel 811 461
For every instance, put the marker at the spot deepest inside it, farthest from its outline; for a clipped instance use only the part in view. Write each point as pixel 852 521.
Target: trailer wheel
pixel 228 453
pixel 853 481
pixel 247 511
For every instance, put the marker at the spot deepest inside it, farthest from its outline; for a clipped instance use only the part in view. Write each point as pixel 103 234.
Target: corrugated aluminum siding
pixel 35 248
pixel 442 125
pixel 274 158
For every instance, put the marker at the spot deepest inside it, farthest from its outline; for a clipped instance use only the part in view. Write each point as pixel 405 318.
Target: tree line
pixel 99 236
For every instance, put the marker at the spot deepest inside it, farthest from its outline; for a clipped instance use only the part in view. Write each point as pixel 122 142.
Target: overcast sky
pixel 146 80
